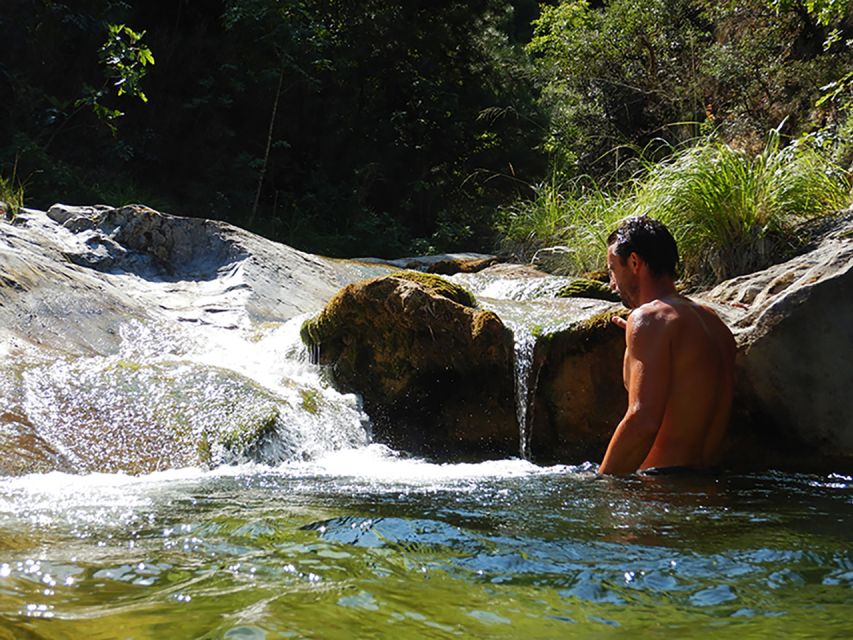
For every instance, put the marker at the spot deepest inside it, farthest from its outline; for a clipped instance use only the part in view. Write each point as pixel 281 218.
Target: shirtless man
pixel 679 361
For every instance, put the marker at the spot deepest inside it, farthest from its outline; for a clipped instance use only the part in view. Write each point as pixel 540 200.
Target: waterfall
pixel 524 343
pixel 528 306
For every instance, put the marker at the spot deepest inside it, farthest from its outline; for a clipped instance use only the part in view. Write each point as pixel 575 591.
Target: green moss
pixel 587 288
pixel 205 454
pixel 537 330
pixel 322 326
pixel 262 330
pixel 439 286
pixel 325 325
pixel 128 365
pixel 310 401
pixel 250 430
pixel 599 321
pixel 601 275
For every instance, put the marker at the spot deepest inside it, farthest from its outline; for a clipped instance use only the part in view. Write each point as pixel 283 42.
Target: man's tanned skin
pixel 679 361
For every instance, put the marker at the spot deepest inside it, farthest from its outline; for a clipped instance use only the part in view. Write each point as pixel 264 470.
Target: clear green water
pixel 362 545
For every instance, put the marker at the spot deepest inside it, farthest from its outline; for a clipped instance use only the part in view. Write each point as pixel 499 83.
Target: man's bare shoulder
pixel 694 320
pixel 649 323
pixel 655 314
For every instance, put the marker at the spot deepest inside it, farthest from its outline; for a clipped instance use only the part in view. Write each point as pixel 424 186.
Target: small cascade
pixel 179 396
pixel 525 342
pixel 529 307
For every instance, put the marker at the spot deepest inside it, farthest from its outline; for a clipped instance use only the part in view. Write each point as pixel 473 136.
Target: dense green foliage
pixel 403 127
pixel 664 108
pixel 335 126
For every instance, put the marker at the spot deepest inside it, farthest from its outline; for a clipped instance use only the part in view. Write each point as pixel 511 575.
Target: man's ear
pixel 634 262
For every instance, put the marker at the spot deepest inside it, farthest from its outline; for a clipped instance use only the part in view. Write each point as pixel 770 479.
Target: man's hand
pixel 619 322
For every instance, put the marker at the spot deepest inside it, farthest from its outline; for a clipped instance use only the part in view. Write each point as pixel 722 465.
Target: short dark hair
pixel 650 240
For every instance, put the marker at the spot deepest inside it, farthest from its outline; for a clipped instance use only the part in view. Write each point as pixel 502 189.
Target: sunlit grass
pixel 12 193
pixel 731 212
pixel 577 216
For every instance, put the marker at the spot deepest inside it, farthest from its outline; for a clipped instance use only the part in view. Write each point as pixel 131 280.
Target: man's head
pixel 638 243
pixel 650 240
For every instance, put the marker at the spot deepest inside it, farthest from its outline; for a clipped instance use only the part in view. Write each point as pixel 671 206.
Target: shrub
pixel 732 213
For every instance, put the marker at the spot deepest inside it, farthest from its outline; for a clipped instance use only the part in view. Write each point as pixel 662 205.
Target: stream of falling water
pixel 529 307
pixel 524 344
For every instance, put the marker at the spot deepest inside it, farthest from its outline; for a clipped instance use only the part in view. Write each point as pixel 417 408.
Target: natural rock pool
pixel 364 544
pixel 144 381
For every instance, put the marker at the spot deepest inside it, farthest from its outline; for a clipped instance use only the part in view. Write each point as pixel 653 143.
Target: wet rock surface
pixel 579 396
pixel 794 326
pixel 102 311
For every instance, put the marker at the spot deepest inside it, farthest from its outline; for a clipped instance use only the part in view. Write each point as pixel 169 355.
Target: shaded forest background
pixel 397 127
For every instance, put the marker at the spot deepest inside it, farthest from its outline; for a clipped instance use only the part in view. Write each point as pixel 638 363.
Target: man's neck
pixel 656 289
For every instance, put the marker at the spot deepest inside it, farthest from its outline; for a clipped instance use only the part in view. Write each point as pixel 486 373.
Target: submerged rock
pixel 435 372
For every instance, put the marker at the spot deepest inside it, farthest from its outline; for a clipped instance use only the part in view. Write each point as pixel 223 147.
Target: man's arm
pixel 648 365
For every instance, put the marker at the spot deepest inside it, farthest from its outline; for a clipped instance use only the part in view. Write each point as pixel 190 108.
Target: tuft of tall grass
pixel 528 225
pixel 732 213
pixel 577 216
pixel 12 193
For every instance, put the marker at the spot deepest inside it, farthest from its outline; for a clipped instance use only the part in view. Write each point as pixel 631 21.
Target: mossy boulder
pixel 435 372
pixel 451 266
pixel 580 397
pixel 587 288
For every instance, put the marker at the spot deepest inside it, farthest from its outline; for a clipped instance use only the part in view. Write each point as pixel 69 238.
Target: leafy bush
pixel 12 193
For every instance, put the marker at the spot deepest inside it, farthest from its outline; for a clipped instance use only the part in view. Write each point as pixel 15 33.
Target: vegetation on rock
pixel 328 324
pixel 434 372
pixel 439 286
pixel 587 288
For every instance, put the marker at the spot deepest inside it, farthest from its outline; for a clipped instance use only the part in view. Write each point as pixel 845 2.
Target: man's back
pixel 701 350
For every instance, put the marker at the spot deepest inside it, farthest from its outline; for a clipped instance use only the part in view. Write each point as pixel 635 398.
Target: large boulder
pixel 118 329
pixel 794 326
pixel 578 397
pixel 70 277
pixel 434 371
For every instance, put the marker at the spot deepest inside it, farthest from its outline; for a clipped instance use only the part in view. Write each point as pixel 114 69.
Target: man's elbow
pixel 642 424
